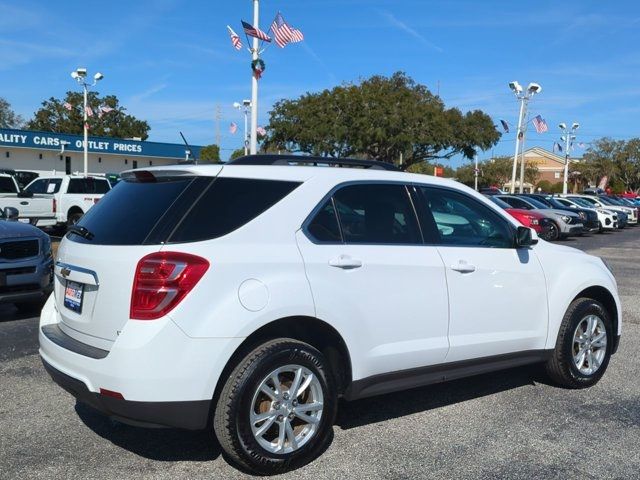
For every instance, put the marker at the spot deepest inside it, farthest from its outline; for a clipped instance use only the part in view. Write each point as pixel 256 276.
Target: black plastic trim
pixel 616 344
pixel 419 377
pixel 309 160
pixel 54 333
pixel 190 415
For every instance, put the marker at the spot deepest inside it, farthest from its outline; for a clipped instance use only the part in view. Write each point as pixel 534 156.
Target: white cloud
pixel 395 22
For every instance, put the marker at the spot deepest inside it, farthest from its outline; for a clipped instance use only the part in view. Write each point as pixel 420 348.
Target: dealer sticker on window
pixel 73 296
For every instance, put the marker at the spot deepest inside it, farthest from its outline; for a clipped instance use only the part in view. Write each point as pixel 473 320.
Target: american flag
pixel 296 35
pixel 68 106
pixel 252 31
pixel 540 124
pixel 505 125
pixel 106 109
pixel 261 131
pixel 233 128
pixel 235 39
pixel 281 31
pixel 88 111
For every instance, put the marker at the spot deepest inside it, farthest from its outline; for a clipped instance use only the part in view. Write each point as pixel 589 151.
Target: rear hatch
pixel 96 263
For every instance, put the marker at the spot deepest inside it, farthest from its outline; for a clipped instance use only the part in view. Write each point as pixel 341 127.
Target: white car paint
pixel 396 307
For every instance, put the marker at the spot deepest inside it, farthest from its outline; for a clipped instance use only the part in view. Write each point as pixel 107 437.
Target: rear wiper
pixel 81 231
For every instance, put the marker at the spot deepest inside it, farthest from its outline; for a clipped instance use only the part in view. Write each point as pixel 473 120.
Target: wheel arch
pixel 74 209
pixel 311 330
pixel 604 296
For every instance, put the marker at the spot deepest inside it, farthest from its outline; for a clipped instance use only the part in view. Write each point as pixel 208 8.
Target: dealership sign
pixel 106 145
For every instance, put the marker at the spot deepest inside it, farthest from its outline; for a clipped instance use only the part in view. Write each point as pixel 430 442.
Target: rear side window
pixel 7 185
pixel 45 185
pixel 227 204
pixel 324 226
pixel 377 213
pixel 88 186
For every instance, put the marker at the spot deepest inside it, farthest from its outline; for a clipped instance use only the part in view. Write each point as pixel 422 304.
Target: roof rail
pixel 268 159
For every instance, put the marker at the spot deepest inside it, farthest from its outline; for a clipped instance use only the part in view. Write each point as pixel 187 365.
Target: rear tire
pixel 584 345
pixel 263 426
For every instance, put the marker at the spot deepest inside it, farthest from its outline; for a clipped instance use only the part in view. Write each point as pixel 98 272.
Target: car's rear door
pixel 374 280
pixel 497 293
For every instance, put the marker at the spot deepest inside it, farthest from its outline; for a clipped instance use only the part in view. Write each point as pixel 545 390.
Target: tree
pixel 495 171
pixel 54 117
pixel 8 118
pixel 237 154
pixel 379 118
pixel 210 153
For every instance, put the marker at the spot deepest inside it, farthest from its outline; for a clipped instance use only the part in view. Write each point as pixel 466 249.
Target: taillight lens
pixel 162 280
pixel 55 205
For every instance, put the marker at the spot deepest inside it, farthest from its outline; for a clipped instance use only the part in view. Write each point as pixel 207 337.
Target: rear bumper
pixel 191 415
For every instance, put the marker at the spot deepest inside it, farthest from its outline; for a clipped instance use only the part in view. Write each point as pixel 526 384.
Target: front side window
pixel 463 221
pixel 377 213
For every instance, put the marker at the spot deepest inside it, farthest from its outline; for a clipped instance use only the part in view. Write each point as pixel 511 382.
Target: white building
pixel 46 153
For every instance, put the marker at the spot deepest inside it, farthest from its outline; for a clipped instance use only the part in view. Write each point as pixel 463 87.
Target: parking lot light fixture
pixel 245 107
pixel 523 97
pixel 80 75
pixel 568 137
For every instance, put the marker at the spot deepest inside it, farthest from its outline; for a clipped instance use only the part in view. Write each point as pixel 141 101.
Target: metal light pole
pixel 523 97
pixel 476 173
pixel 568 137
pixel 245 107
pixel 80 75
pixel 254 84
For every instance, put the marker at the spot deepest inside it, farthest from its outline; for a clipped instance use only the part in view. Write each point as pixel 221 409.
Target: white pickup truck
pixel 51 201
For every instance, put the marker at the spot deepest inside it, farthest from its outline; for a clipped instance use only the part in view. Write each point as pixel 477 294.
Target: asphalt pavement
pixel 509 424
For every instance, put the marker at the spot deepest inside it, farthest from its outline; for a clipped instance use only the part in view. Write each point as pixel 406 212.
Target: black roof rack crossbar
pixel 308 160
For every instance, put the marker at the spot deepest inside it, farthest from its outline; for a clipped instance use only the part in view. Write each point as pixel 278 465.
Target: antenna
pixel 189 151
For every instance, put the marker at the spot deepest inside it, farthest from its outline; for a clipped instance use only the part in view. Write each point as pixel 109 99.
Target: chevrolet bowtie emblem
pixel 65 272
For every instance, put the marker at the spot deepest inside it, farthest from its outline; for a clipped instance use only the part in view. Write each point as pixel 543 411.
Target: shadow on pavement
pixel 153 443
pixel 378 409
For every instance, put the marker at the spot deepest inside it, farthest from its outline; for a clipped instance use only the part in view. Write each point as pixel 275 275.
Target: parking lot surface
pixel 509 424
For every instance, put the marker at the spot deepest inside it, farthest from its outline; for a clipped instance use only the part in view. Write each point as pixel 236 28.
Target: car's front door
pixel 497 293
pixel 374 280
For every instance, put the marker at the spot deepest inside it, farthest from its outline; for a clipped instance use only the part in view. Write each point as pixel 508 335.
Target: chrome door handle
pixel 345 262
pixel 463 267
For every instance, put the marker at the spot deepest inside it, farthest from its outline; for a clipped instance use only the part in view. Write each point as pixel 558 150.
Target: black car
pixel 589 217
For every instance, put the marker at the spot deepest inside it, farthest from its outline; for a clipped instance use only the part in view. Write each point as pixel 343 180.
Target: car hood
pixel 18 230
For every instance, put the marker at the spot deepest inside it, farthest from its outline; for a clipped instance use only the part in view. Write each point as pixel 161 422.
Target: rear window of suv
pixel 178 209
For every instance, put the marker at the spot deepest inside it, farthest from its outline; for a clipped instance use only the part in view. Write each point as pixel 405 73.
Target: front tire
pixel 277 408
pixel 553 232
pixel 584 345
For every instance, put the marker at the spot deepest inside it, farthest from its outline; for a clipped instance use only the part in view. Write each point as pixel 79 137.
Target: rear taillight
pixel 55 205
pixel 162 280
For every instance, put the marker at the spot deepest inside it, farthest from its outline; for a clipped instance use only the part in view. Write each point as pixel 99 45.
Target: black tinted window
pixel 45 185
pixel 462 220
pixel 324 226
pixel 376 213
pixel 129 214
pixel 226 205
pixel 88 185
pixel 7 185
pixel 517 203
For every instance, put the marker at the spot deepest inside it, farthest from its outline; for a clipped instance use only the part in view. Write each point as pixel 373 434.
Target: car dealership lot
pixel 503 425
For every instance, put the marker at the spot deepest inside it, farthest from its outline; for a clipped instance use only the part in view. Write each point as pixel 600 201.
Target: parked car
pixel 624 213
pixel 240 298
pixel 564 224
pixel 492 191
pixel 528 218
pixel 588 216
pixel 630 210
pixel 607 220
pixel 26 264
pixel 58 201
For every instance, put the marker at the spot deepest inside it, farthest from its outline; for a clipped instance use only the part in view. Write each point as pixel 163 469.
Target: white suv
pixel 249 297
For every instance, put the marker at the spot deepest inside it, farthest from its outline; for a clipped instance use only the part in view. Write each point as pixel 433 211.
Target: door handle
pixel 346 262
pixel 463 267
pixel 24 203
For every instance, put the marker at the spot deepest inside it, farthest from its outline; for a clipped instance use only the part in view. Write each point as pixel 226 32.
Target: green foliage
pixel 53 117
pixel 237 154
pixel 210 154
pixel 8 118
pixel 619 160
pixel 494 172
pixel 379 118
pixel 544 186
pixel 556 187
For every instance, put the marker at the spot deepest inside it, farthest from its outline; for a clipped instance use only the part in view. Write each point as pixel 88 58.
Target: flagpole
pixel 254 84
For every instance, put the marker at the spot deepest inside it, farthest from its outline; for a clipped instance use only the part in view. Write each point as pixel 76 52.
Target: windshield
pixel 497 201
pixel 608 201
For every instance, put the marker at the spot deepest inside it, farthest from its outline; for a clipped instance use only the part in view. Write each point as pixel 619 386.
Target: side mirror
pixel 11 214
pixel 525 237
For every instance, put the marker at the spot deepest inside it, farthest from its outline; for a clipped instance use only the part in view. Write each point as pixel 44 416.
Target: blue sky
pixel 171 62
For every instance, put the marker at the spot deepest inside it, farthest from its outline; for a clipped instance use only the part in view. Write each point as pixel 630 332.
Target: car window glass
pixel 377 213
pixel 76 185
pixel 536 203
pixel 7 185
pixel 39 186
pixel 516 203
pixel 462 220
pixel 324 226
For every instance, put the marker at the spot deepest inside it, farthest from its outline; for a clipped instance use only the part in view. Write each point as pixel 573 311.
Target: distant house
pixel 550 166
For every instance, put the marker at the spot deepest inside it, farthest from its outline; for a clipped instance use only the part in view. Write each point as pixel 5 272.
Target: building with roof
pixel 53 153
pixel 550 167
